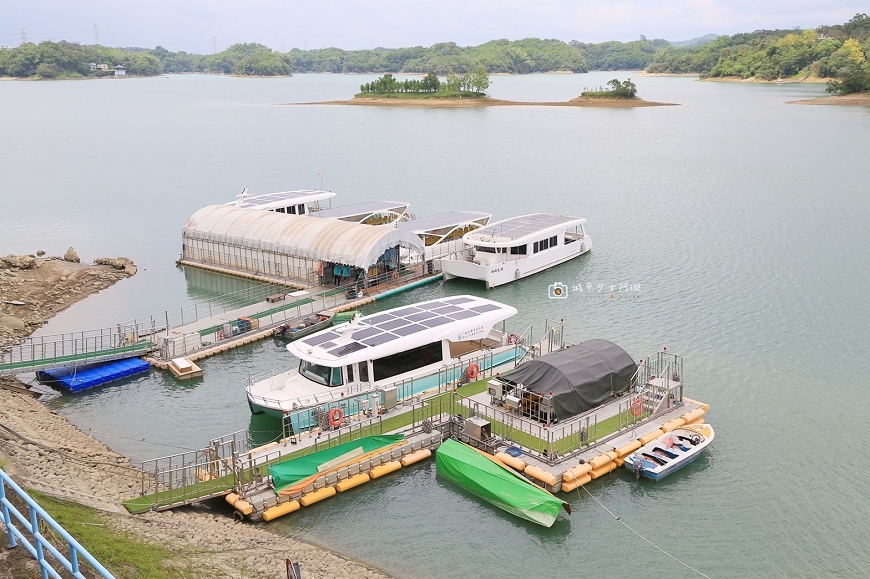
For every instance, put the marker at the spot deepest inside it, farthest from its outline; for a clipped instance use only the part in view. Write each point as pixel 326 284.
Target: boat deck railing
pixel 30 531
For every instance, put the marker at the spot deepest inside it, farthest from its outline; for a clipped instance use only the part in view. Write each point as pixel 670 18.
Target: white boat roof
pixel 522 229
pixel 454 219
pixel 281 199
pixel 362 210
pixel 456 318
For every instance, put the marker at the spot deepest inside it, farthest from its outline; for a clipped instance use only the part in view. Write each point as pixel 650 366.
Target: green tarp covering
pixel 495 484
pixel 293 471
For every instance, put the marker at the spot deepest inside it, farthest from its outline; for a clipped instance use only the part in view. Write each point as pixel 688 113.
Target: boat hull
pixel 496 484
pixel 501 273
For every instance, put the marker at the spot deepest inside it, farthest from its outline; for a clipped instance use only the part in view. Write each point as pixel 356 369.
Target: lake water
pixel 742 219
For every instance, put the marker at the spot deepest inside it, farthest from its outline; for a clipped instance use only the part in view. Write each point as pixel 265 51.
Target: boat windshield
pixel 320 374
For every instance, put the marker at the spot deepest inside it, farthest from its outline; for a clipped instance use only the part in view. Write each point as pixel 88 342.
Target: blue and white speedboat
pixel 670 452
pixel 393 355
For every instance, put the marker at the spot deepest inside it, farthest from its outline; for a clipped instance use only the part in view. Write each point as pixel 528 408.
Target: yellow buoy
pixel 673 424
pixel 619 461
pixel 703 405
pixel 600 461
pixel 416 456
pixel 512 461
pixel 386 468
pixel 570 486
pixel 628 448
pixel 578 471
pixel 240 504
pixel 280 510
pixel 352 482
pixel 601 471
pixel 317 496
pixel 693 415
pixel 541 475
pixel 651 436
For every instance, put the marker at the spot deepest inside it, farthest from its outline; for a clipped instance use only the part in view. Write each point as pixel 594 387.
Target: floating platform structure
pixel 78 379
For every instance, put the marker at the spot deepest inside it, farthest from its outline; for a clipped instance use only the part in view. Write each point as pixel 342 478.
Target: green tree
pixel 480 80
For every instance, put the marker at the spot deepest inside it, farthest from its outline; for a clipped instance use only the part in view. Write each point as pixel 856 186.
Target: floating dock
pixel 78 379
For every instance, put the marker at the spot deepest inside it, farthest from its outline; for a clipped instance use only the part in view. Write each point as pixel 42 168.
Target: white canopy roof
pixel 298 235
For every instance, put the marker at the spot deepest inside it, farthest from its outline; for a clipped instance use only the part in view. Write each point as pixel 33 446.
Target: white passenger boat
pixel 300 202
pixel 394 354
pixel 515 248
pixel 670 452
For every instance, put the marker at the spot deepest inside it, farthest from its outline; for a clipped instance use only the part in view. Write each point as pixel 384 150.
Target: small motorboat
pixel 670 452
pixel 308 325
pixel 486 477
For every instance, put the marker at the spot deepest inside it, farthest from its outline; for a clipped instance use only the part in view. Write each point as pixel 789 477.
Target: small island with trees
pixel 467 90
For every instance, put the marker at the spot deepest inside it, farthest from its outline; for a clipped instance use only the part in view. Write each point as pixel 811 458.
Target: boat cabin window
pixel 323 375
pixel 407 361
pixel 292 209
pixel 485 249
pixel 519 250
pixel 349 373
pixel 363 372
pixel 279 210
pixel 554 241
pixel 301 209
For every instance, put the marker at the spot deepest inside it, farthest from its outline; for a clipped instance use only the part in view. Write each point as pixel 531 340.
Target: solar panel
pixel 347 349
pixel 433 305
pixel 408 330
pixel 378 319
pixel 380 339
pixel 365 333
pixel 320 338
pixel 327 345
pixel 446 310
pixel 459 300
pixel 485 308
pixel 439 321
pixel 393 324
pixel 464 314
pixel 421 316
pixel 406 311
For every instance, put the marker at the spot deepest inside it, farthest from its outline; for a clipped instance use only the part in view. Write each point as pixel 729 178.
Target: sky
pixel 201 26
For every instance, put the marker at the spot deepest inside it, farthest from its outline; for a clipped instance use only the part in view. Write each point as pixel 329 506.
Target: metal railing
pixel 19 527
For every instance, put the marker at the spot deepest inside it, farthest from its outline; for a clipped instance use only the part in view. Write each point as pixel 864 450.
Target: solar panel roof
pixel 517 227
pixel 416 325
pixel 293 197
pixel 453 219
pixel 360 208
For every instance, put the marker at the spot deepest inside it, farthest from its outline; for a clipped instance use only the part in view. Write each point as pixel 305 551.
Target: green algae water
pixel 738 221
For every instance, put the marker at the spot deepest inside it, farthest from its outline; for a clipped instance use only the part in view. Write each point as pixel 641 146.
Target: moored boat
pixel 670 452
pixel 518 247
pixel 309 324
pixel 389 356
pixel 487 478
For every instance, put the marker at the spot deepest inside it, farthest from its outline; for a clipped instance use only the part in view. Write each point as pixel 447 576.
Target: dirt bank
pixel 849 100
pixel 488 102
pixel 43 451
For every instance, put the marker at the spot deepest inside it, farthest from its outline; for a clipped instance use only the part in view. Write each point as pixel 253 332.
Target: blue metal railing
pixel 40 544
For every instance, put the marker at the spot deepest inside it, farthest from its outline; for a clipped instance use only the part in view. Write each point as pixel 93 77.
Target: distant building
pixel 95 66
pixel 120 71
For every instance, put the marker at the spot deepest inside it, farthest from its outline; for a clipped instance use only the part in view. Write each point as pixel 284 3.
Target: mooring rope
pixel 627 526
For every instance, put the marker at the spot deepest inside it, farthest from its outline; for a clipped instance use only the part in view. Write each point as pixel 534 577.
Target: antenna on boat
pixel 242 196
pixel 351 326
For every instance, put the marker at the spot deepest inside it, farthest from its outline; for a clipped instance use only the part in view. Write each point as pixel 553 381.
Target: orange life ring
pixel 473 372
pixel 336 417
pixel 513 339
pixel 395 276
pixel 637 407
pixel 220 335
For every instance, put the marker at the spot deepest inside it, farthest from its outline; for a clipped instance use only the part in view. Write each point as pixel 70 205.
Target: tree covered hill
pixel 829 51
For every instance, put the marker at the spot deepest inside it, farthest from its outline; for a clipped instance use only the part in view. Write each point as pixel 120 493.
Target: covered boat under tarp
pixel 580 377
pixel 285 474
pixel 486 478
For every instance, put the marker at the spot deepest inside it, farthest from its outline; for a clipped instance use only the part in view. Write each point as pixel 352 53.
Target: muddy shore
pixel 849 100
pixel 43 451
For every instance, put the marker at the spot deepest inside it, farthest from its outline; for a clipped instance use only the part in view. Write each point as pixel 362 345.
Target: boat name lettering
pixel 496 269
pixel 469 333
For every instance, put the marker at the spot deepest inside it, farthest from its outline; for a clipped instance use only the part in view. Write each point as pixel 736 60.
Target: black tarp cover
pixel 580 377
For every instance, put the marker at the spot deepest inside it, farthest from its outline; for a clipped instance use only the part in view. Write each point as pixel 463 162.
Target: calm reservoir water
pixel 742 219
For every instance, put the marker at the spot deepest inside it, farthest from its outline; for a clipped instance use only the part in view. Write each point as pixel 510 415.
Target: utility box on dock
pixel 391 397
pixel 477 428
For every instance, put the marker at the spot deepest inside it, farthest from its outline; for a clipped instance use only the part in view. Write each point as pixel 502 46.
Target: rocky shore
pixel 43 451
pixel 490 102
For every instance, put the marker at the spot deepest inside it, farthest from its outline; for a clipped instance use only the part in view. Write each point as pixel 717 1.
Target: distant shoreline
pixel 614 103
